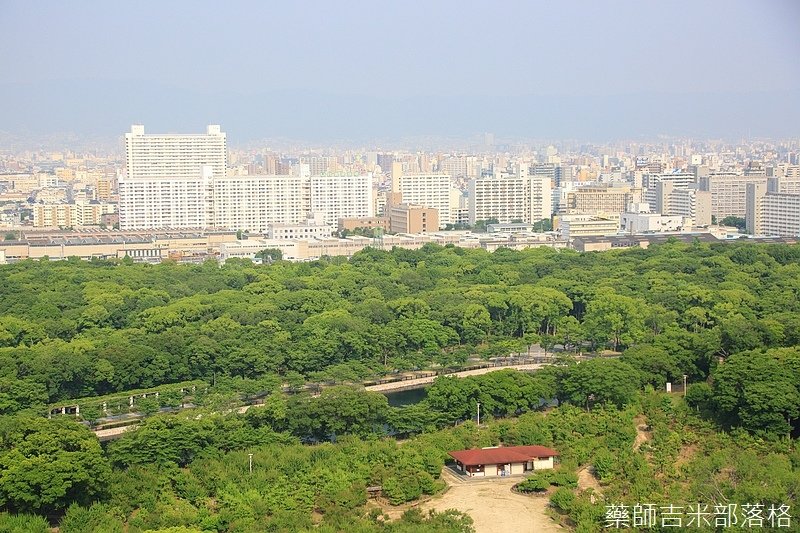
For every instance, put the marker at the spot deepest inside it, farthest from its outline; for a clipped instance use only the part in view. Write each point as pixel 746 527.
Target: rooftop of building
pixel 501 455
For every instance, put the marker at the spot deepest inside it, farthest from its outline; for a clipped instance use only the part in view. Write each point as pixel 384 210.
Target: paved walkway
pixel 418 382
pixel 113 433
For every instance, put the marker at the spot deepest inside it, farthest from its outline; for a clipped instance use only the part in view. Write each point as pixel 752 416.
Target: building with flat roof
pixel 510 197
pixel 582 225
pixel 168 180
pixel 409 218
pixel 639 219
pixel 364 222
pixel 427 190
pixel 772 213
pixel 71 215
pixel 253 203
pixel 151 246
pixel 341 196
pixel 597 199
pixel 674 199
pixel 509 228
pixel 729 193
pixel 784 184
pixel 314 227
pixel 651 182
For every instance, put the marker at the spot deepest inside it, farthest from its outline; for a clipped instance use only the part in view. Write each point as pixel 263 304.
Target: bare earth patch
pixel 586 480
pixel 493 506
pixel 642 433
pixel 686 454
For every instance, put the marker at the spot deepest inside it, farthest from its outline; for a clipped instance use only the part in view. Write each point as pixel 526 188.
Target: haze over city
pixel 347 71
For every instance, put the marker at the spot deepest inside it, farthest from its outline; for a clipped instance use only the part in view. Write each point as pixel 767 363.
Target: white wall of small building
pixel 543 464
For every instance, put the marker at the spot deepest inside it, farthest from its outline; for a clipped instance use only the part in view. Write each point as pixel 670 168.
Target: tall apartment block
pixel 169 179
pixel 556 173
pixel 180 181
pixel 427 190
pixel 772 213
pixel 729 192
pixel 343 196
pixel 510 197
pixel 463 166
pixel 254 203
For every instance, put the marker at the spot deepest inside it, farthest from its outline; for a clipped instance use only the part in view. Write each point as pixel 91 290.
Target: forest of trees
pixel 73 329
pixel 726 315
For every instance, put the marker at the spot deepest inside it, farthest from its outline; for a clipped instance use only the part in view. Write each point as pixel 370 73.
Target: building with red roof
pixel 504 460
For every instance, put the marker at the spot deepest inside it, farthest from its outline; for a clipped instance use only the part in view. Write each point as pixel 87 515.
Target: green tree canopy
pixel 45 465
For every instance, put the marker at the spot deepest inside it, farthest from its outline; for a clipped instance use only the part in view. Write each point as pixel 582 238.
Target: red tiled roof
pixel 502 455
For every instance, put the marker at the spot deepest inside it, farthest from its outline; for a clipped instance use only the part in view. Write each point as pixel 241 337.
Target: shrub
pixel 535 483
pixel 562 500
pixel 23 523
pixel 564 478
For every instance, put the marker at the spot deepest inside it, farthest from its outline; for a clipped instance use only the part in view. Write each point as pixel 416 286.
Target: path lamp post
pixel 684 385
pixel 250 457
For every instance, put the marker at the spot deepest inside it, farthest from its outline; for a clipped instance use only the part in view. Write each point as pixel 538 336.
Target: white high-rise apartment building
pixel 180 181
pixel 169 178
pixel 254 203
pixel 427 190
pixel 772 213
pixel 338 197
pixel 174 156
pixel 510 197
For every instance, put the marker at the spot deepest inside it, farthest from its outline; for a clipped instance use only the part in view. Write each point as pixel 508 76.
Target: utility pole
pixel 250 456
pixel 684 385
pixel 479 413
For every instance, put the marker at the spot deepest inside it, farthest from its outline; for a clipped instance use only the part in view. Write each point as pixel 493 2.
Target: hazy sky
pixel 336 69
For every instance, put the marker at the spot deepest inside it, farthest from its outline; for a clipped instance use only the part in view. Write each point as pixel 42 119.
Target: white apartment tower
pixel 180 181
pixel 428 190
pixel 254 203
pixel 169 179
pixel 338 197
pixel 510 197
pixel 770 212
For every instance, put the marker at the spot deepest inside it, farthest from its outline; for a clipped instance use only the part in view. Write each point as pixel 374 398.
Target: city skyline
pixel 320 73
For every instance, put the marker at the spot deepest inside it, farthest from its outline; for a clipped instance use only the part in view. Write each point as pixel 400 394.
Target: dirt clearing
pixel 493 506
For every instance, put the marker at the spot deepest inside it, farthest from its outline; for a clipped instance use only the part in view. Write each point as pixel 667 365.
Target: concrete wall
pixel 543 464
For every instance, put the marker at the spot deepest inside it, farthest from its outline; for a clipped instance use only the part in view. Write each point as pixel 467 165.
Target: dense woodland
pixel 726 315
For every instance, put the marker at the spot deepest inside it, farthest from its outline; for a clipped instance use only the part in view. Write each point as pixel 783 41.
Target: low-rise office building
pixel 409 218
pixel 580 225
